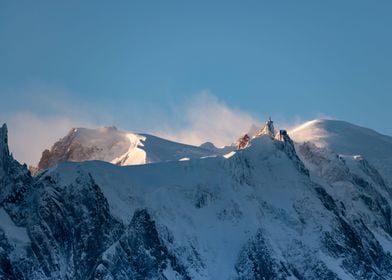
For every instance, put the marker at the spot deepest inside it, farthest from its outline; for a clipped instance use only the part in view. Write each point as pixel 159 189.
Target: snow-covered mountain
pixel 119 147
pixel 271 210
pixel 347 139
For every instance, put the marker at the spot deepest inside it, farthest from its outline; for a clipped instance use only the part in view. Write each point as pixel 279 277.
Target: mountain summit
pixel 347 139
pixel 119 147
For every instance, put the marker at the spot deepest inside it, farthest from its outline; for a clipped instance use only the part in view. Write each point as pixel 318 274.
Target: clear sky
pixel 142 65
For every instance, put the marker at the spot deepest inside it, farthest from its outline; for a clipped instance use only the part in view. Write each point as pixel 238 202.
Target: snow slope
pixel 348 139
pixel 118 147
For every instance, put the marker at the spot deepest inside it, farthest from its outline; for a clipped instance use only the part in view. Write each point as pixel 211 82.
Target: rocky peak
pixel 4 151
pixel 243 142
pixel 14 177
pixel 4 141
pixel 267 129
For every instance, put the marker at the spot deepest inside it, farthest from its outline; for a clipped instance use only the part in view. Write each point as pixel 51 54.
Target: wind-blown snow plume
pixel 207 118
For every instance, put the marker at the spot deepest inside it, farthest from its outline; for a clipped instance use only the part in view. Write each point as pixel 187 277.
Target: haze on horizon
pixel 190 71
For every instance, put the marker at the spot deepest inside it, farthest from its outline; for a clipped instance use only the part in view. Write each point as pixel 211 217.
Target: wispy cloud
pixel 206 118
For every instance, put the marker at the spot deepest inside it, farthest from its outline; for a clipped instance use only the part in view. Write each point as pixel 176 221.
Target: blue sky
pixel 141 65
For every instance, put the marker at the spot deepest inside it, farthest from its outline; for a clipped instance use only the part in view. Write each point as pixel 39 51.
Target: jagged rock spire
pixel 267 129
pixel 4 141
pixel 4 151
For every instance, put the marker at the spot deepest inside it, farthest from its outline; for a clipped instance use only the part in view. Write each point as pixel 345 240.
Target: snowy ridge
pixel 348 139
pixel 118 147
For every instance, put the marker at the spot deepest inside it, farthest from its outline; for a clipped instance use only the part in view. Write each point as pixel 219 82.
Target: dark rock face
pixel 4 152
pixel 6 270
pixel 256 262
pixel 68 228
pixel 15 179
pixel 362 255
pixel 78 220
pixel 139 254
